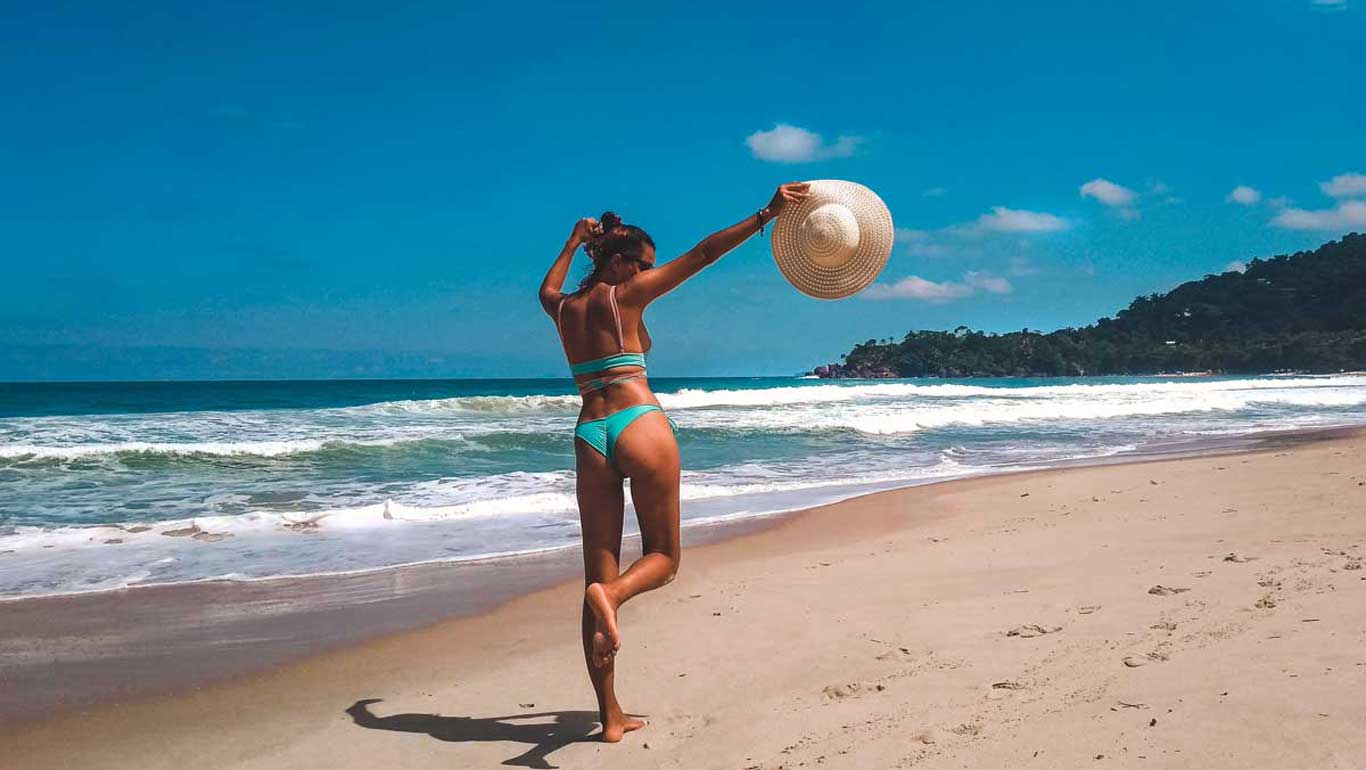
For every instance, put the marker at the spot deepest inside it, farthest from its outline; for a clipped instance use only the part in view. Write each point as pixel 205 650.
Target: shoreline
pixel 146 642
pixel 915 665
pixel 1160 449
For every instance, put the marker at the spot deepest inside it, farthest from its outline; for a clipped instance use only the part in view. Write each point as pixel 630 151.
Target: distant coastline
pixel 1303 313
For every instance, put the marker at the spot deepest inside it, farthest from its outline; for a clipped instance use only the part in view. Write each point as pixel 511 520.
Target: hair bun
pixel 609 221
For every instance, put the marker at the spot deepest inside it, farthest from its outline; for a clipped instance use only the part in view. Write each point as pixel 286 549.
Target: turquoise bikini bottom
pixel 602 433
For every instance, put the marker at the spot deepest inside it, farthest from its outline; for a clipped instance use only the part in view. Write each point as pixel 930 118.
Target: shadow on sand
pixel 545 737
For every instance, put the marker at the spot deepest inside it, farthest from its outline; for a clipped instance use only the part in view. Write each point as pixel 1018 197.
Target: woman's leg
pixel 601 504
pixel 646 452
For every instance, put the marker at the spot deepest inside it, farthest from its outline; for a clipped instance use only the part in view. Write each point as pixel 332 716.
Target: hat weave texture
pixel 835 242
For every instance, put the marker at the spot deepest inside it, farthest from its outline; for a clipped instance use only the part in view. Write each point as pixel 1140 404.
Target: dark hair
pixel 615 238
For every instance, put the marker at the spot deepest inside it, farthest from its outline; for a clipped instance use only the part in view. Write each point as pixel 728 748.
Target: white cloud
pixel 1347 214
pixel 1107 192
pixel 1279 202
pixel 1345 186
pixel 1002 219
pixel 1236 266
pixel 1129 214
pixel 992 284
pixel 791 144
pixel 1020 267
pixel 915 287
pixel 1244 196
pixel 934 192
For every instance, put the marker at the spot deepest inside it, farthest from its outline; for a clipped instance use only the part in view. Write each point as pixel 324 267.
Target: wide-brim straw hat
pixel 834 243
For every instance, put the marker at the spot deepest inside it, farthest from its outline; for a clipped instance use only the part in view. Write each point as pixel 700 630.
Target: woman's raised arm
pixel 552 288
pixel 649 285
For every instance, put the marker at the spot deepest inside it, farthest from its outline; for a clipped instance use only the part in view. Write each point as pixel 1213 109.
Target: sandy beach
pixel 1202 612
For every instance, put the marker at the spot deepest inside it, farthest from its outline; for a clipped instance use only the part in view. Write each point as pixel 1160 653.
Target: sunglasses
pixel 639 260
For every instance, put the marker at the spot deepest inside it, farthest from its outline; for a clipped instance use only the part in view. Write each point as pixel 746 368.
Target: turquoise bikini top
pixel 614 361
pixel 619 360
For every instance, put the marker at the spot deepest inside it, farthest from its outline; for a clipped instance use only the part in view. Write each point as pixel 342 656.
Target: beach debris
pixel 1161 590
pixel 1165 625
pixel 527 705
pixel 1008 684
pixel 1025 494
pixel 1032 630
pixel 1310 620
pixel 1239 558
pixel 1152 722
pixel 1127 705
pixel 1266 602
pixel 842 691
pixel 1135 661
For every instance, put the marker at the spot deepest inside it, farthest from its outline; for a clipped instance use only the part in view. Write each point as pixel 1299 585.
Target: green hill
pixel 1303 312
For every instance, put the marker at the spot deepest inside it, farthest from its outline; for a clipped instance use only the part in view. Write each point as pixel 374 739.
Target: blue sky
pixel 230 190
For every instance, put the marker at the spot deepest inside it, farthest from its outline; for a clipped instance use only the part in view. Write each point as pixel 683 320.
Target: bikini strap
pixel 616 316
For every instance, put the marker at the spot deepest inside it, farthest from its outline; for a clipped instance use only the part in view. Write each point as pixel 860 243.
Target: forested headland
pixel 1301 312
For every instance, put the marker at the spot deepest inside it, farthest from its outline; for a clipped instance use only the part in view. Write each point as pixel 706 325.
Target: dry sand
pixel 1204 613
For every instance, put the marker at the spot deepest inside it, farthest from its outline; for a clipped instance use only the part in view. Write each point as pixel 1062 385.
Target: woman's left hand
pixel 586 229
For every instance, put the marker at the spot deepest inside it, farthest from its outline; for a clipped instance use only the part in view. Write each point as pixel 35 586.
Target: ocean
pixel 109 485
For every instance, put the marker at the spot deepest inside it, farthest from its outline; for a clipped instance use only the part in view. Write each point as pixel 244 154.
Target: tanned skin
pixel 645 452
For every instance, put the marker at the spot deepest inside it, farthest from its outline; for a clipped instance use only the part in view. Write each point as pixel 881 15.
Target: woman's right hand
pixel 792 192
pixel 585 230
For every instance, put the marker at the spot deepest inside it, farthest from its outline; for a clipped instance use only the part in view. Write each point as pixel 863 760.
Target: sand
pixel 1204 612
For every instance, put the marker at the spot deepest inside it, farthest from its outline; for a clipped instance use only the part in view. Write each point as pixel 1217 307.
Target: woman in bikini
pixel 622 432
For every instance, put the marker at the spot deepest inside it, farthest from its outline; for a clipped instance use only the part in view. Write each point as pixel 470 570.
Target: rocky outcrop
pixel 843 372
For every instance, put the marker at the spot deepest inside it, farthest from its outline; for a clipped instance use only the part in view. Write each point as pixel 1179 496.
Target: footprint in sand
pixel 842 691
pixel 1265 603
pixel 1088 609
pixel 1161 590
pixel 1135 661
pixel 1032 630
pixel 1239 558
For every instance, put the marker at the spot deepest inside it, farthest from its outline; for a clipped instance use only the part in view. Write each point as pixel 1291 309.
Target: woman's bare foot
pixel 615 728
pixel 606 639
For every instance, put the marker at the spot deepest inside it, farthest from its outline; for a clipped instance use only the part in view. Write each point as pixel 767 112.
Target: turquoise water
pixel 104 485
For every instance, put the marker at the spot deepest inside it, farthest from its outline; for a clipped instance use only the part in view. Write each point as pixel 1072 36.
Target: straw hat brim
pixel 834 243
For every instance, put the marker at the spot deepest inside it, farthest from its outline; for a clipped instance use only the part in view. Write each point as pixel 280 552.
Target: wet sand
pixel 1202 612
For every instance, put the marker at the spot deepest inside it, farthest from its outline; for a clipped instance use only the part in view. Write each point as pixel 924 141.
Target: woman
pixel 622 432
